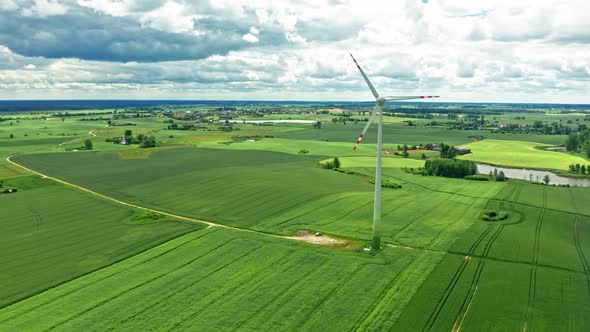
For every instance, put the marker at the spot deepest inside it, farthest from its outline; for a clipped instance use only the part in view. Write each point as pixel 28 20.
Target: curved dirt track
pixel 208 223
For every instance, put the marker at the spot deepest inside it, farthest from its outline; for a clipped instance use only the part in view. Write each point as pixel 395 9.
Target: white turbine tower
pixel 379 108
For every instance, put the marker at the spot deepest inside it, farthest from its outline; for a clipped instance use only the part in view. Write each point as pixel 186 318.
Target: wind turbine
pixel 376 244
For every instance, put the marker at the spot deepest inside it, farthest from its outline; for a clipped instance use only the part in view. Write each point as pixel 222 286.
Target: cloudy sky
pixel 464 50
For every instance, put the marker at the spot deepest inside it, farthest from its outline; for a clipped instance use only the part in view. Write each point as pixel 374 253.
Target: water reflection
pixel 533 175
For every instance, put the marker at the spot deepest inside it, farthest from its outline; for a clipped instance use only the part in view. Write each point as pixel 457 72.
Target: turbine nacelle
pixel 380 101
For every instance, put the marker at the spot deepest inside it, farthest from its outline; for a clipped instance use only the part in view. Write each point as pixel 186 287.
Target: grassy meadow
pixel 519 154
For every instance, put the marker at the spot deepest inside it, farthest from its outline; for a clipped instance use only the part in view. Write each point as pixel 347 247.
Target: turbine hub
pixel 380 101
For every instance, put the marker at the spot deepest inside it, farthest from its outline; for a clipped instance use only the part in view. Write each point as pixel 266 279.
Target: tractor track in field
pixel 577 243
pixel 110 298
pixel 252 283
pixel 212 224
pixel 581 252
pixel 449 289
pixel 99 280
pixel 485 198
pixel 327 297
pixel 302 279
pixel 534 265
pixel 468 300
pixel 38 218
pixel 475 282
pixel 357 325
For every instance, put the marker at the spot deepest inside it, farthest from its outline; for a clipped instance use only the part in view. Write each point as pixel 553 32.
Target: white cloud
pixel 171 17
pixel 466 50
pixel 30 66
pixel 8 5
pixel 44 8
pixel 250 38
pixel 111 7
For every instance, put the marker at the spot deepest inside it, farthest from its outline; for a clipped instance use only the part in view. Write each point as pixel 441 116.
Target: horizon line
pixel 288 100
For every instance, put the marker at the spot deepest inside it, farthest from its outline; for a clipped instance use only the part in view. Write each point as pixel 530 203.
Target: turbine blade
pixel 373 91
pixel 408 97
pixel 371 118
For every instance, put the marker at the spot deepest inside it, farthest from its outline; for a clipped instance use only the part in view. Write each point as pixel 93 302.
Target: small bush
pixel 491 215
pixel 387 184
pixel 477 177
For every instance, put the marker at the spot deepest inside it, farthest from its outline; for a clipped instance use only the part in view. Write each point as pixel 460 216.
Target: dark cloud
pixel 85 34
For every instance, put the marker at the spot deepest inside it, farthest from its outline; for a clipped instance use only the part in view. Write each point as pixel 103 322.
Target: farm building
pixel 462 151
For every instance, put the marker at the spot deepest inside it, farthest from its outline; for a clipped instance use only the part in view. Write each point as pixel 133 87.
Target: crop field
pixel 73 260
pixel 519 154
pixel 270 192
pixel 260 283
pixel 44 242
pixel 544 252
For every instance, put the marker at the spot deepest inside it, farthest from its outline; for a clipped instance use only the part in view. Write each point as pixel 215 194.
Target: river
pixel 524 174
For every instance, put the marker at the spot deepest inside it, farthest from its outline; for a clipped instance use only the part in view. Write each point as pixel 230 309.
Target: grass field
pixel 519 154
pixel 547 288
pixel 75 261
pixel 273 192
pixel 218 279
pixel 50 234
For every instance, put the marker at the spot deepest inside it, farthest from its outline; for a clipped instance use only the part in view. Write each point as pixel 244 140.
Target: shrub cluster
pixel 491 215
pixel 477 177
pixel 334 164
pixel 388 184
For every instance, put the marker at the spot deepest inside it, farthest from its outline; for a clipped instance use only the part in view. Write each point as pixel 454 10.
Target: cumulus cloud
pixel 44 8
pixel 8 5
pixel 263 49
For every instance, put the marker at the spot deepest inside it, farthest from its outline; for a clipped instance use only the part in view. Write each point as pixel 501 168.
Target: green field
pixel 45 241
pixel 270 192
pixel 260 283
pixel 74 260
pixel 519 154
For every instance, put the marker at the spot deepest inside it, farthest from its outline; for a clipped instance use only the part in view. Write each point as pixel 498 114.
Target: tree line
pixel 579 142
pixel 451 168
pixel 579 169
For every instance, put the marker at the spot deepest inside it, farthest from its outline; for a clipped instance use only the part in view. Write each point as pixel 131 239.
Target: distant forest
pixel 420 107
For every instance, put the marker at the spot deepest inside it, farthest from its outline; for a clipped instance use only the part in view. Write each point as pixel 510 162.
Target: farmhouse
pixel 462 151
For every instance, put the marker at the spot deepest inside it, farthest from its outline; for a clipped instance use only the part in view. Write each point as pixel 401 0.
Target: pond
pixel 537 176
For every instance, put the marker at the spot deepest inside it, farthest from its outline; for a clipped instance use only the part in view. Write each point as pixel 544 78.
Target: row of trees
pixel 579 142
pixel 579 169
pixel 452 168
